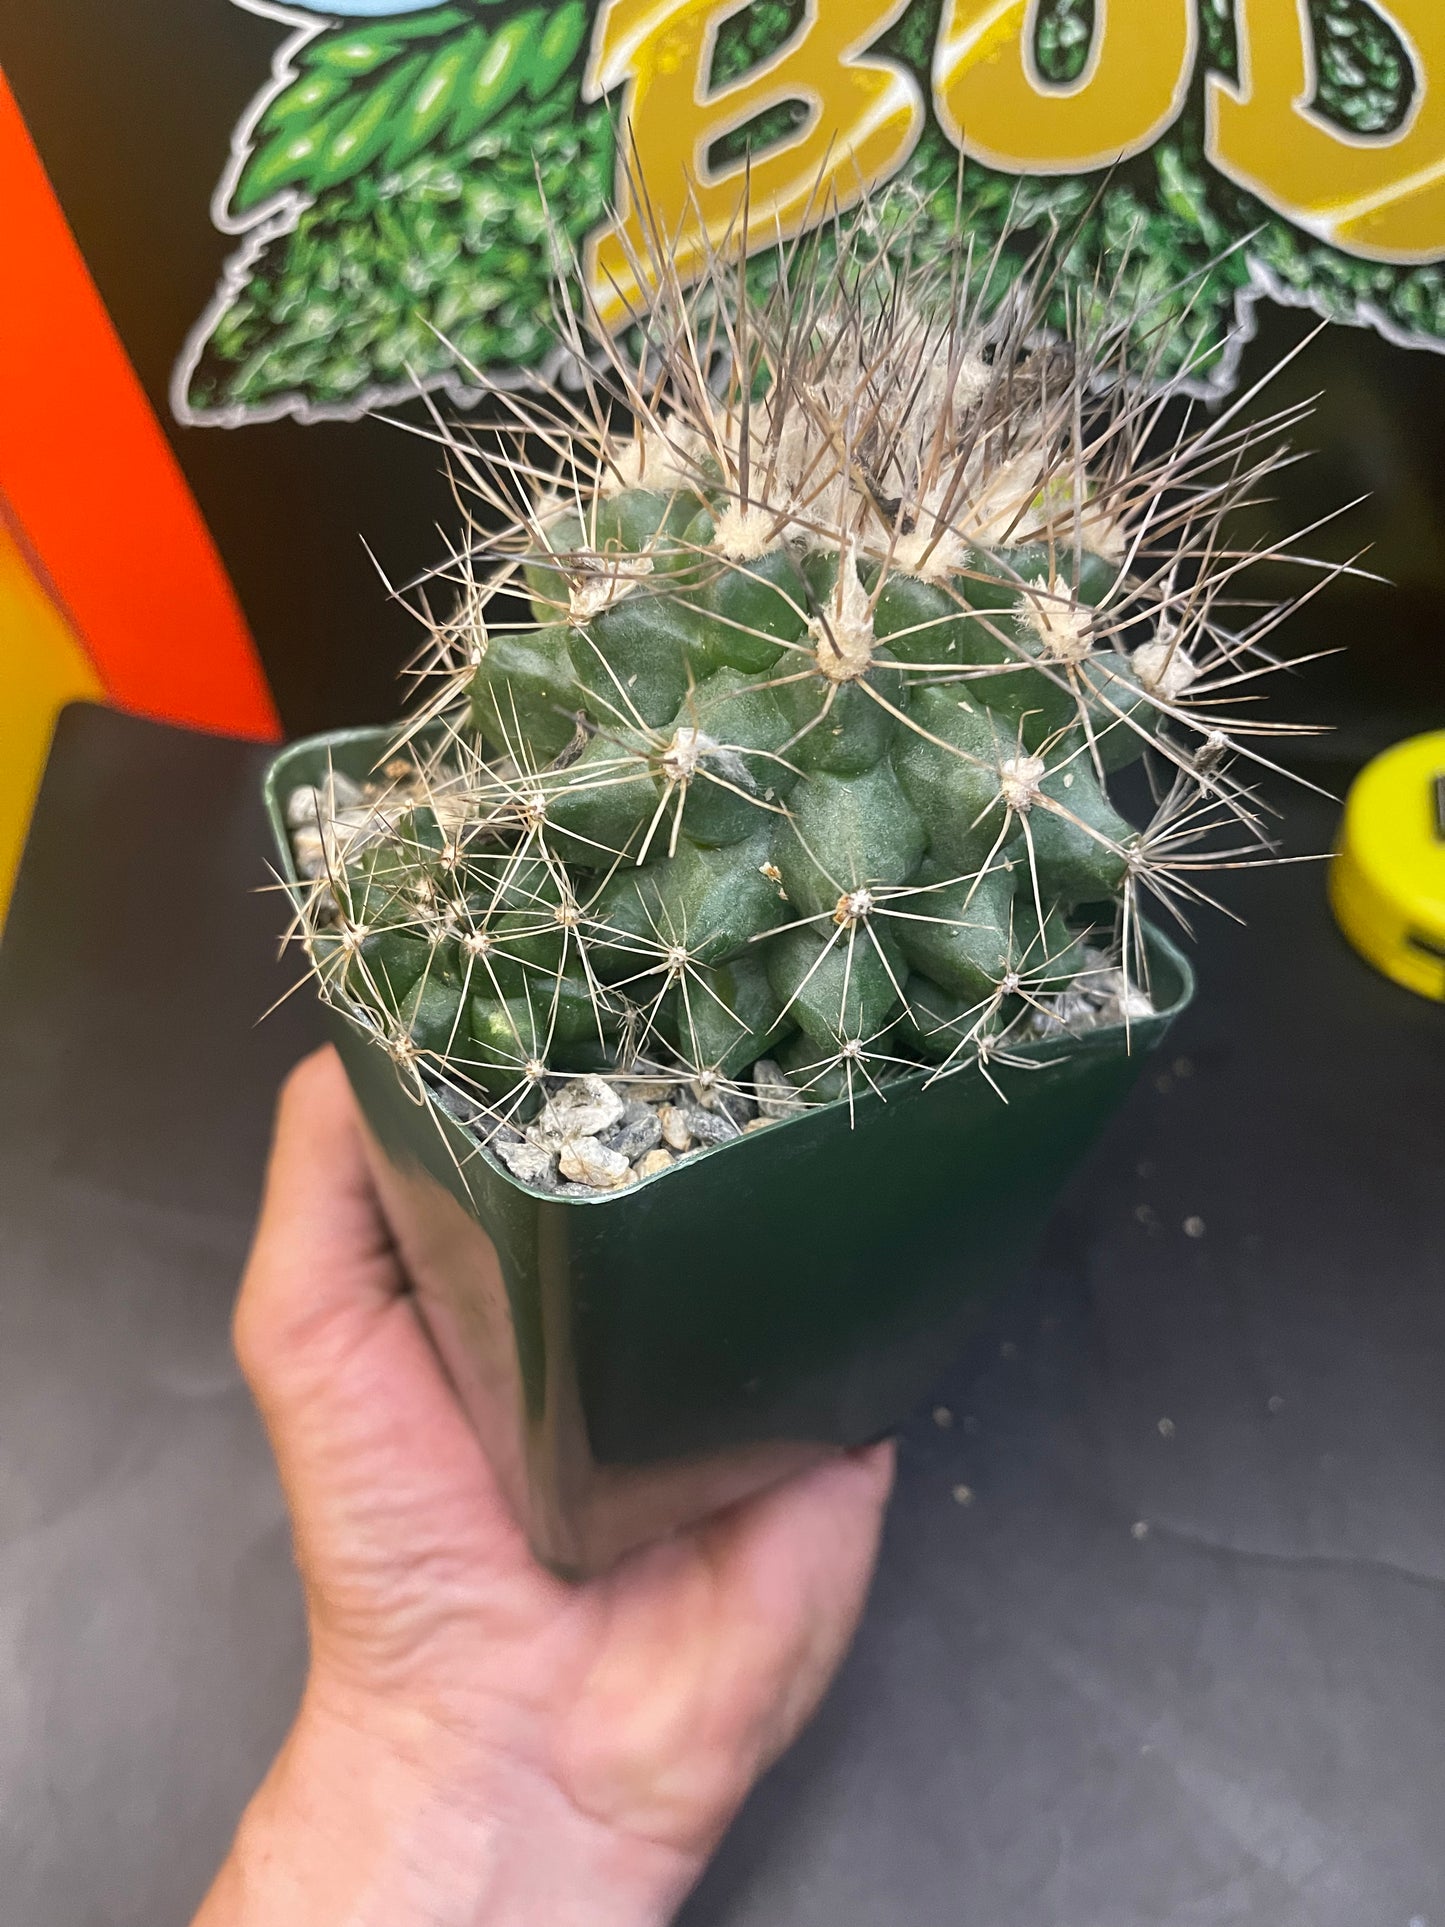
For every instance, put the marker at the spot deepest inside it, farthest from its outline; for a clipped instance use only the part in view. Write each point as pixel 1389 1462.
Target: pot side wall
pixel 633 1362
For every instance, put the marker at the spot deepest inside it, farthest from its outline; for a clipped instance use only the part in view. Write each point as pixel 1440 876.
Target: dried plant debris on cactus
pixel 887 655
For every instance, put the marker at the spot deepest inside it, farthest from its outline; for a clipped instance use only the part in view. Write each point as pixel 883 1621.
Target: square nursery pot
pixel 634 1361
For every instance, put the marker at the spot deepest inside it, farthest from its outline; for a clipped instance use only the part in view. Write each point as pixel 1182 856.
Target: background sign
pixel 398 187
pixel 295 216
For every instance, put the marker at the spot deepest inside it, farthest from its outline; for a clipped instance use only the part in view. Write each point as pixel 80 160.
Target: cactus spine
pixel 849 608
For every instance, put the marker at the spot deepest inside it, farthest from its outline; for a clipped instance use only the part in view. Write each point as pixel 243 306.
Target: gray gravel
pixel 639 1132
pixel 593 1134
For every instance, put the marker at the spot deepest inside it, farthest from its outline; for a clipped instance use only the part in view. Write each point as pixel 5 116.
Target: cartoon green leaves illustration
pixel 400 187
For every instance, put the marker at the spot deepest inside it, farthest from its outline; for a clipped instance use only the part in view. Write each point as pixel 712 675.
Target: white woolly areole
pixel 683 754
pixel 933 554
pixel 401 1050
pixel 1062 502
pixel 970 381
pixel 843 635
pixel 1018 781
pixel 627 468
pixel 746 532
pixel 840 510
pixel 933 548
pixel 1104 535
pixel 1164 667
pixel 1022 498
pixel 788 445
pixel 603 583
pixel 795 461
pixel 1065 627
pixel 670 457
pixel 929 378
pixel 1004 505
pixel 854 907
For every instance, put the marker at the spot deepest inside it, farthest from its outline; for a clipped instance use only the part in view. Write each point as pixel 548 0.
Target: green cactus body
pixel 789 817
pixel 809 750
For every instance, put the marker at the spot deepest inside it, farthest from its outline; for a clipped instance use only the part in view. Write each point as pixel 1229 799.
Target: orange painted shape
pixel 96 490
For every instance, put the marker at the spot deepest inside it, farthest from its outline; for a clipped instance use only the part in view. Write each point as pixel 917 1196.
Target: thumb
pixel 322 1271
pixel 353 1397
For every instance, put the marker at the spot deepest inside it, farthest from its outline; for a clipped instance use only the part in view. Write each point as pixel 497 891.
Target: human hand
pixel 480 1744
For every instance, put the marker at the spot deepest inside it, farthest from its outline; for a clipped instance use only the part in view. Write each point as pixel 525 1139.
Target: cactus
pixel 863 621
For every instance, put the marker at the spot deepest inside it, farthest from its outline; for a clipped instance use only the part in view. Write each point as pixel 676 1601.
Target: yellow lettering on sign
pixel 864 115
pixel 1381 196
pixel 993 102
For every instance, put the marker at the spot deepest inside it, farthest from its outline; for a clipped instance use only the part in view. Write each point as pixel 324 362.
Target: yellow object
pixel 42 667
pixel 993 102
pixel 864 114
pixel 1381 197
pixel 1387 882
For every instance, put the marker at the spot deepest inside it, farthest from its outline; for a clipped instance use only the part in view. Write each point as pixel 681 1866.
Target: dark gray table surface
pixel 1158 1638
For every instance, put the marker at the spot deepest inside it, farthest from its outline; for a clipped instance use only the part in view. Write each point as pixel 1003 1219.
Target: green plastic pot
pixel 634 1361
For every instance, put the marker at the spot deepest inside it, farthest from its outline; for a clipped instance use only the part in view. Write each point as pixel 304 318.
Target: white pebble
pixel 309 849
pixel 303 807
pixel 777 1095
pixel 636 1135
pixel 585 1107
pixel 676 1130
pixel 529 1162
pixel 654 1162
pixel 712 1127
pixel 648 1090
pixel 357 819
pixel 312 803
pixel 585 1161
pixel 346 792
